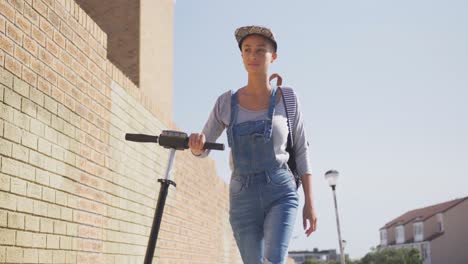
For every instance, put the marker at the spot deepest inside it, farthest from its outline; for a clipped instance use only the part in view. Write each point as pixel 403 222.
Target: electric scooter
pixel 173 140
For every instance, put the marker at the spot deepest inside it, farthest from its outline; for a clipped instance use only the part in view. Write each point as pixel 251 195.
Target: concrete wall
pixel 452 246
pixel 72 190
pixel 430 226
pixel 391 235
pixel 157 51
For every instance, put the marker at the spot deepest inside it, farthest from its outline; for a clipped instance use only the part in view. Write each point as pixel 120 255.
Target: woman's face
pixel 257 54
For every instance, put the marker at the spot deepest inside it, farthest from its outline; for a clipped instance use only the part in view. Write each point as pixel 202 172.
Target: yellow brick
pixel 45 256
pixel 13 99
pixel 36 159
pixel 39 240
pixel 58 256
pixel 31 255
pixel 60 228
pixel 4 182
pixel 61 199
pixel 14 255
pixel 37 127
pixel 6 78
pixel 34 190
pixel 47 225
pixel 20 153
pixel 72 229
pixel 44 147
pixel 65 242
pixel 25 205
pixel 14 33
pixel 10 166
pixel 21 87
pixel 21 120
pixel 40 7
pixel 51 105
pixel 53 211
pixel 28 107
pixel 7 114
pixel 15 220
pixel 66 214
pixel 70 257
pixel 44 116
pixel 13 65
pixel 24 239
pixel 50 133
pixel 42 177
pixel 27 172
pixel 7 236
pixel 5 147
pixel 29 140
pixel 3 218
pixel 53 241
pixel 31 223
pixel 58 152
pixel 37 96
pixel 18 186
pixel 40 208
pixel 2 254
pixel 12 132
pixel 7 200
pixel 48 194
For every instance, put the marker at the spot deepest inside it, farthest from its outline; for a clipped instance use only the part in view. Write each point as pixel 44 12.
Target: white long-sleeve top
pixel 220 117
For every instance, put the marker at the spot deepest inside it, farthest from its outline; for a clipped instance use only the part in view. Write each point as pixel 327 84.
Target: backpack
pixel 289 101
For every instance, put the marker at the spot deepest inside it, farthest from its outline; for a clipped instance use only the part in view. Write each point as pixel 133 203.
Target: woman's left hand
pixel 309 219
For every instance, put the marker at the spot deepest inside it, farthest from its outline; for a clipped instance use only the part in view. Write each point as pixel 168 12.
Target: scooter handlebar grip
pixel 214 146
pixel 141 138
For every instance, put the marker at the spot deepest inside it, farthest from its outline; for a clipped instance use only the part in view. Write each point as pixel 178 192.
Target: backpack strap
pixel 289 100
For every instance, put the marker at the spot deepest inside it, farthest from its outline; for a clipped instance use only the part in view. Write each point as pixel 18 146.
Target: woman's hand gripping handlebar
pixel 176 140
pixel 197 143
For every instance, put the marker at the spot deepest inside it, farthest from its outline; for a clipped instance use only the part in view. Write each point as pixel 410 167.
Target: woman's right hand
pixel 196 143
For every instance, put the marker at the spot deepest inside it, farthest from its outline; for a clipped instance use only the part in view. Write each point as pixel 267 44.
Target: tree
pixel 392 256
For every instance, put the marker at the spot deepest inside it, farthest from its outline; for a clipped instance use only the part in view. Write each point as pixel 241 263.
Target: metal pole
pixel 342 256
pixel 158 213
pixel 169 166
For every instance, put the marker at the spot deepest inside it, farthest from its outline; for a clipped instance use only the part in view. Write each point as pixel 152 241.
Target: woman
pixel 263 196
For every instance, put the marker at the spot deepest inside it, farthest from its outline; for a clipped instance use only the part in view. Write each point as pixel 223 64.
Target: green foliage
pixel 311 261
pixel 392 256
pixel 347 260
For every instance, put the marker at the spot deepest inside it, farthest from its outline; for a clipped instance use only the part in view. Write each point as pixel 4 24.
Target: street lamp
pixel 332 177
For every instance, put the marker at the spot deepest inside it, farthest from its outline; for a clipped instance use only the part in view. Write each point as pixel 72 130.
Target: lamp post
pixel 332 177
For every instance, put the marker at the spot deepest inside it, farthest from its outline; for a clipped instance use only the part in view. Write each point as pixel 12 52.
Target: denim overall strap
pixel 271 110
pixel 233 119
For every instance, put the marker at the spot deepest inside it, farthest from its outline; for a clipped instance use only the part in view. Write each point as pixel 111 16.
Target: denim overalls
pixel 262 192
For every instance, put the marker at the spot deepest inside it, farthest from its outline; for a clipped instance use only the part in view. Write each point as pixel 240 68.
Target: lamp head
pixel 332 177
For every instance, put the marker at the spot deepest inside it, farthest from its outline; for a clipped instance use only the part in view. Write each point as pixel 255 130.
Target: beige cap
pixel 242 32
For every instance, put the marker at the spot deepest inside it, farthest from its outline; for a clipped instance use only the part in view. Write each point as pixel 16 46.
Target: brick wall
pixel 72 190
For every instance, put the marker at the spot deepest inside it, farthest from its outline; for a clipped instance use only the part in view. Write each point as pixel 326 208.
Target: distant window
pixel 440 222
pixel 424 253
pixel 383 237
pixel 400 234
pixel 418 229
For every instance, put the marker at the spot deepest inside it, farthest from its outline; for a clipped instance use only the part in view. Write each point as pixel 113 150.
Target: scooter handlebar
pixel 171 139
pixel 214 146
pixel 141 138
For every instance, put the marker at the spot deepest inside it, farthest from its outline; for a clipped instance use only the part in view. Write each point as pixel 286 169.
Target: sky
pixel 383 87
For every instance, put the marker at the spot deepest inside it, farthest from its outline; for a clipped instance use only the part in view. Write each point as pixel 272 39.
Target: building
pixel 320 255
pixel 75 76
pixel 438 232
